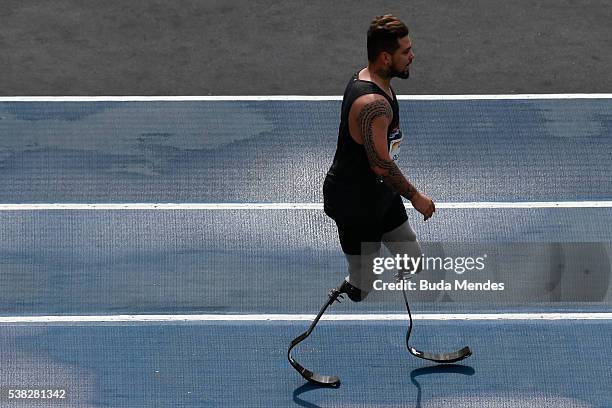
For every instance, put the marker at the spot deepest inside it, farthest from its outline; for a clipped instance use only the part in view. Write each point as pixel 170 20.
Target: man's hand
pixel 423 204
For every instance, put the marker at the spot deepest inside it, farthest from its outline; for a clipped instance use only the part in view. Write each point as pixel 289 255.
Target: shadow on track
pixel 305 388
pixel 437 369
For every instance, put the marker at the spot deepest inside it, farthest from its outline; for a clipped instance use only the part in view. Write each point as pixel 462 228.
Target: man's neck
pixel 379 77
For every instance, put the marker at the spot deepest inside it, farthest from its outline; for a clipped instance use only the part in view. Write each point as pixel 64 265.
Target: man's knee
pixel 361 276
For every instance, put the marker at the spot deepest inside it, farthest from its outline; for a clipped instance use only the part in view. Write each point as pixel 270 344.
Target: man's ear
pixel 387 58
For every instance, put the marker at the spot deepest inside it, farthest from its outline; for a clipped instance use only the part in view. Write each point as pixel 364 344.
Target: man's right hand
pixel 423 204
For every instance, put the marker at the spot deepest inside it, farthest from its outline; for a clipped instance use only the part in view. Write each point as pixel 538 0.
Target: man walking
pixel 363 189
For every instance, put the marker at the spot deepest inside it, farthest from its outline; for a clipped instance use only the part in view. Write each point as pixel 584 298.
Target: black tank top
pixel 350 185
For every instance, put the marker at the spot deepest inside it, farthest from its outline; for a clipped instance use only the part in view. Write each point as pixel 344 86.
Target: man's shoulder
pixel 370 99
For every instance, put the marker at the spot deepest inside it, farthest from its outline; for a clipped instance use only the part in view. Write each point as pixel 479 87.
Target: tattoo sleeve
pixel 385 168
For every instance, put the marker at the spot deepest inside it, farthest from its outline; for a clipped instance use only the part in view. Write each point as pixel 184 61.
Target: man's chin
pixel 401 74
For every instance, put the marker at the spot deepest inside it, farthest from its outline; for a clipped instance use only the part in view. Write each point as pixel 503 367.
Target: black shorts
pixel 353 230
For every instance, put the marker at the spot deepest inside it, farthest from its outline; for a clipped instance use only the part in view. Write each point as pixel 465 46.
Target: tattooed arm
pixel 374 119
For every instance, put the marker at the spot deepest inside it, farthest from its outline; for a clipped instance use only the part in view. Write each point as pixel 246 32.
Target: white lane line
pixel 287 206
pixel 302 317
pixel 257 98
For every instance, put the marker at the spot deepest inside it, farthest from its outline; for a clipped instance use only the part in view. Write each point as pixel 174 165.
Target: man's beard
pixel 394 73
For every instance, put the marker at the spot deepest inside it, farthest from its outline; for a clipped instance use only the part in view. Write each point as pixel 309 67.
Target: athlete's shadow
pixel 437 369
pixel 305 388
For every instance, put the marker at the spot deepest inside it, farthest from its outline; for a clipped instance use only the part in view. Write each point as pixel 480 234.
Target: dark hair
pixel 383 34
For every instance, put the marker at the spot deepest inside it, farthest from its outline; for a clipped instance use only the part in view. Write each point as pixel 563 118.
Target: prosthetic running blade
pixel 334 381
pixel 443 358
pixel 320 379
